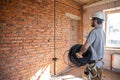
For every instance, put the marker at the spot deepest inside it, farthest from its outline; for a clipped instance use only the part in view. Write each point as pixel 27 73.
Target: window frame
pixel 109 11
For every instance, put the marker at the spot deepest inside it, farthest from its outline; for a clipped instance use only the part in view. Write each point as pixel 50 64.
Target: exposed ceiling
pixel 86 2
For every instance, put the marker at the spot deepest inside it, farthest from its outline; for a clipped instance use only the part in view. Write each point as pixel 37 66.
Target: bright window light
pixel 113 30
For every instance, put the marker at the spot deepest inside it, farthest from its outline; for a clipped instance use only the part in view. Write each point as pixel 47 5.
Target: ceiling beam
pixel 98 3
pixel 86 2
pixel 79 2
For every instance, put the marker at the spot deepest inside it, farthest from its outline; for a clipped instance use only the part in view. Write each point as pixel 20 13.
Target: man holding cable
pixel 96 41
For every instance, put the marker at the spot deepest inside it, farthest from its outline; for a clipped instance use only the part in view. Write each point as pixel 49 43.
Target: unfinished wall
pixel 63 28
pixel 27 36
pixel 87 12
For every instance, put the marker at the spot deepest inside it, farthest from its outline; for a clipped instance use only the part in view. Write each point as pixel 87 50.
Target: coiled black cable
pixel 80 61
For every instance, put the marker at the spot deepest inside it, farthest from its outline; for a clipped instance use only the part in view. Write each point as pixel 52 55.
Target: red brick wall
pixel 27 36
pixel 63 29
pixel 87 12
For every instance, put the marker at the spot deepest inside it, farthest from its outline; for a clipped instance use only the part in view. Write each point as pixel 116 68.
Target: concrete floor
pixel 78 73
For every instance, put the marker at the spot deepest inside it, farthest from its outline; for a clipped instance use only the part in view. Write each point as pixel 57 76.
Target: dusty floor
pixel 78 72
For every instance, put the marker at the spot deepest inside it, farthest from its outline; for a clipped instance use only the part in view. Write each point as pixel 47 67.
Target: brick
pixel 27 36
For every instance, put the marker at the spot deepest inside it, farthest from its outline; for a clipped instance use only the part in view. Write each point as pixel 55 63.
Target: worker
pixel 96 41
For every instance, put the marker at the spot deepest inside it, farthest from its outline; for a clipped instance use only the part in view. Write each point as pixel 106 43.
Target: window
pixel 112 28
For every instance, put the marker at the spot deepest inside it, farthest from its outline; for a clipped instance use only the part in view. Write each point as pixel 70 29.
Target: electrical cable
pixel 67 60
pixel 54 59
pixel 80 61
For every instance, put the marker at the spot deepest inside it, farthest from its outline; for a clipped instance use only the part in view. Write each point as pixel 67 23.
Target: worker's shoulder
pixel 93 31
pixel 96 30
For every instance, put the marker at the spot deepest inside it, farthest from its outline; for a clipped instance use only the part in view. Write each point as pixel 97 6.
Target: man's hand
pixel 79 55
